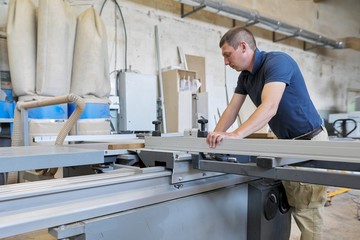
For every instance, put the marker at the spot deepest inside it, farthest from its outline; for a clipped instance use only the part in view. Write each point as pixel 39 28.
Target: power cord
pixel 125 33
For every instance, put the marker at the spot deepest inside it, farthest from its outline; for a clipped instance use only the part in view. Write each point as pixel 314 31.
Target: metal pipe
pixel 242 14
pixel 160 80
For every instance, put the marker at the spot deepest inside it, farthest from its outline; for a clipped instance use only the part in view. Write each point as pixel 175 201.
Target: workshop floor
pixel 341 220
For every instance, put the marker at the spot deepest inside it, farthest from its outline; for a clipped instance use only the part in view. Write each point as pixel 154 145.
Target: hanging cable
pixel 102 6
pixel 125 33
pixel 116 40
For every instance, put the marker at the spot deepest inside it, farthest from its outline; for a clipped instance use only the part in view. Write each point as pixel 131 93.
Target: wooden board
pixel 262 135
pixel 125 146
pixel 197 64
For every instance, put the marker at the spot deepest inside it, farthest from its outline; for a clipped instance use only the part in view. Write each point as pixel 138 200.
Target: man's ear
pixel 243 46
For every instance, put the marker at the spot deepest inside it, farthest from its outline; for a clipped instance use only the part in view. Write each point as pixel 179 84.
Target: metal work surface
pixel 38 157
pixel 31 206
pixel 302 161
pixel 301 149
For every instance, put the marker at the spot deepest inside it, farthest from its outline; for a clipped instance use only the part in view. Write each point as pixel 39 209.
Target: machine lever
pixel 202 132
pixel 157 132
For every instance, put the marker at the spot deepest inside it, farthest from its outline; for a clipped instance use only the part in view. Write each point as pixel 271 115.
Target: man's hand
pixel 215 138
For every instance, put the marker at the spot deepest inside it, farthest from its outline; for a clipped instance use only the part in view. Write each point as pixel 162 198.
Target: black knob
pixel 157 132
pixel 271 206
pixel 202 132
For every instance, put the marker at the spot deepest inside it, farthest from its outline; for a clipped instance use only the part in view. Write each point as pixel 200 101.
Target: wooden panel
pixel 197 64
pixel 171 96
pixel 262 135
pixel 178 104
pixel 125 146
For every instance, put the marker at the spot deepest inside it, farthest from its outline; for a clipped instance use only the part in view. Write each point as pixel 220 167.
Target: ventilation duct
pixel 251 17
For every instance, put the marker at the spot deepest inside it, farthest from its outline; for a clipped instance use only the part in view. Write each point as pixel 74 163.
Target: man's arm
pixel 229 115
pixel 227 118
pixel 270 99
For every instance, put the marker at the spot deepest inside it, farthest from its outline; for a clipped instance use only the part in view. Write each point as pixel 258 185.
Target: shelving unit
pixel 178 104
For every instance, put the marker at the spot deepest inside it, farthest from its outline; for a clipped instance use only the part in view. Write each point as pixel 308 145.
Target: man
pixel 276 86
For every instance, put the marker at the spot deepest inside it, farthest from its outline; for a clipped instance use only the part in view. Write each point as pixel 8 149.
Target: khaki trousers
pixel 307 202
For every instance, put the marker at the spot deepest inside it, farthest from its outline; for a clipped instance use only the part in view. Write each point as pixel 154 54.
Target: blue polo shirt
pixel 296 114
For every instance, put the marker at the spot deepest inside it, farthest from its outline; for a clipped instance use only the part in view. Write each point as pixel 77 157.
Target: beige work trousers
pixel 307 202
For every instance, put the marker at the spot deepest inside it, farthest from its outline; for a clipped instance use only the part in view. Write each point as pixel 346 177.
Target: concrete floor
pixel 342 220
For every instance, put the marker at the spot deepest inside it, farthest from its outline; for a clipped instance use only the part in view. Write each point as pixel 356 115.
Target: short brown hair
pixel 237 34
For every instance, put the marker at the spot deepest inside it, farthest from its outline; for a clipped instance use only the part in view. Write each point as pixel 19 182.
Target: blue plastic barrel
pixel 7 109
pixel 49 112
pixel 92 110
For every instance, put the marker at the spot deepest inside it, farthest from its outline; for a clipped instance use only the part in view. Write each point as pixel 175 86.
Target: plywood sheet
pixel 197 64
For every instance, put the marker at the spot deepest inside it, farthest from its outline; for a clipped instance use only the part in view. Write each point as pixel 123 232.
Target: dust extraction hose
pixel 17 136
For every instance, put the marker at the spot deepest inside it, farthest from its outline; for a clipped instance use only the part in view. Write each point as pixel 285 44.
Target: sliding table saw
pixel 179 188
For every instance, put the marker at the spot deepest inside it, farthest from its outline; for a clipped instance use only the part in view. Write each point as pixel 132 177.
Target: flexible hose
pixel 80 106
pixel 17 133
pixel 17 137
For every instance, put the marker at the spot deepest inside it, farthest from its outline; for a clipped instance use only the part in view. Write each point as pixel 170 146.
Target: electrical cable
pixel 125 34
pixel 116 40
pixel 102 6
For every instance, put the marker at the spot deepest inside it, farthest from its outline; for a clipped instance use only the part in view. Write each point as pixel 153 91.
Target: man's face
pixel 235 58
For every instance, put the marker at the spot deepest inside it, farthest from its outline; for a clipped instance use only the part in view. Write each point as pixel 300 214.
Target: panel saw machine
pixel 174 188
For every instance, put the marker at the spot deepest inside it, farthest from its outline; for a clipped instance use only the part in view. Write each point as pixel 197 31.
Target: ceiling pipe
pixel 253 17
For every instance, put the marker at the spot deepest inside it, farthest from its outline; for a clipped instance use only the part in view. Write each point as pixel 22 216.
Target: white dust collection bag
pixel 56 39
pixel 90 74
pixel 21 37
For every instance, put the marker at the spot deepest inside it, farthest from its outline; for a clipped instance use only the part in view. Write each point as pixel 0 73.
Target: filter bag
pixel 56 39
pixel 21 40
pixel 90 74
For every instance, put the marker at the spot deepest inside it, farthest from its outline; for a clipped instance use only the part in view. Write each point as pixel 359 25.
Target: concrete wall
pixel 328 73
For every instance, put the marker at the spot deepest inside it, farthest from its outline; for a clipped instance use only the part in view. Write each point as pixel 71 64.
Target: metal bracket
pixel 283 38
pixel 305 48
pixel 312 47
pixel 250 23
pixel 247 24
pixel 195 9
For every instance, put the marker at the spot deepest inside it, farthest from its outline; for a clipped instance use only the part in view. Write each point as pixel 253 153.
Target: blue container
pixel 9 94
pixel 49 112
pixel 7 109
pixel 92 110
